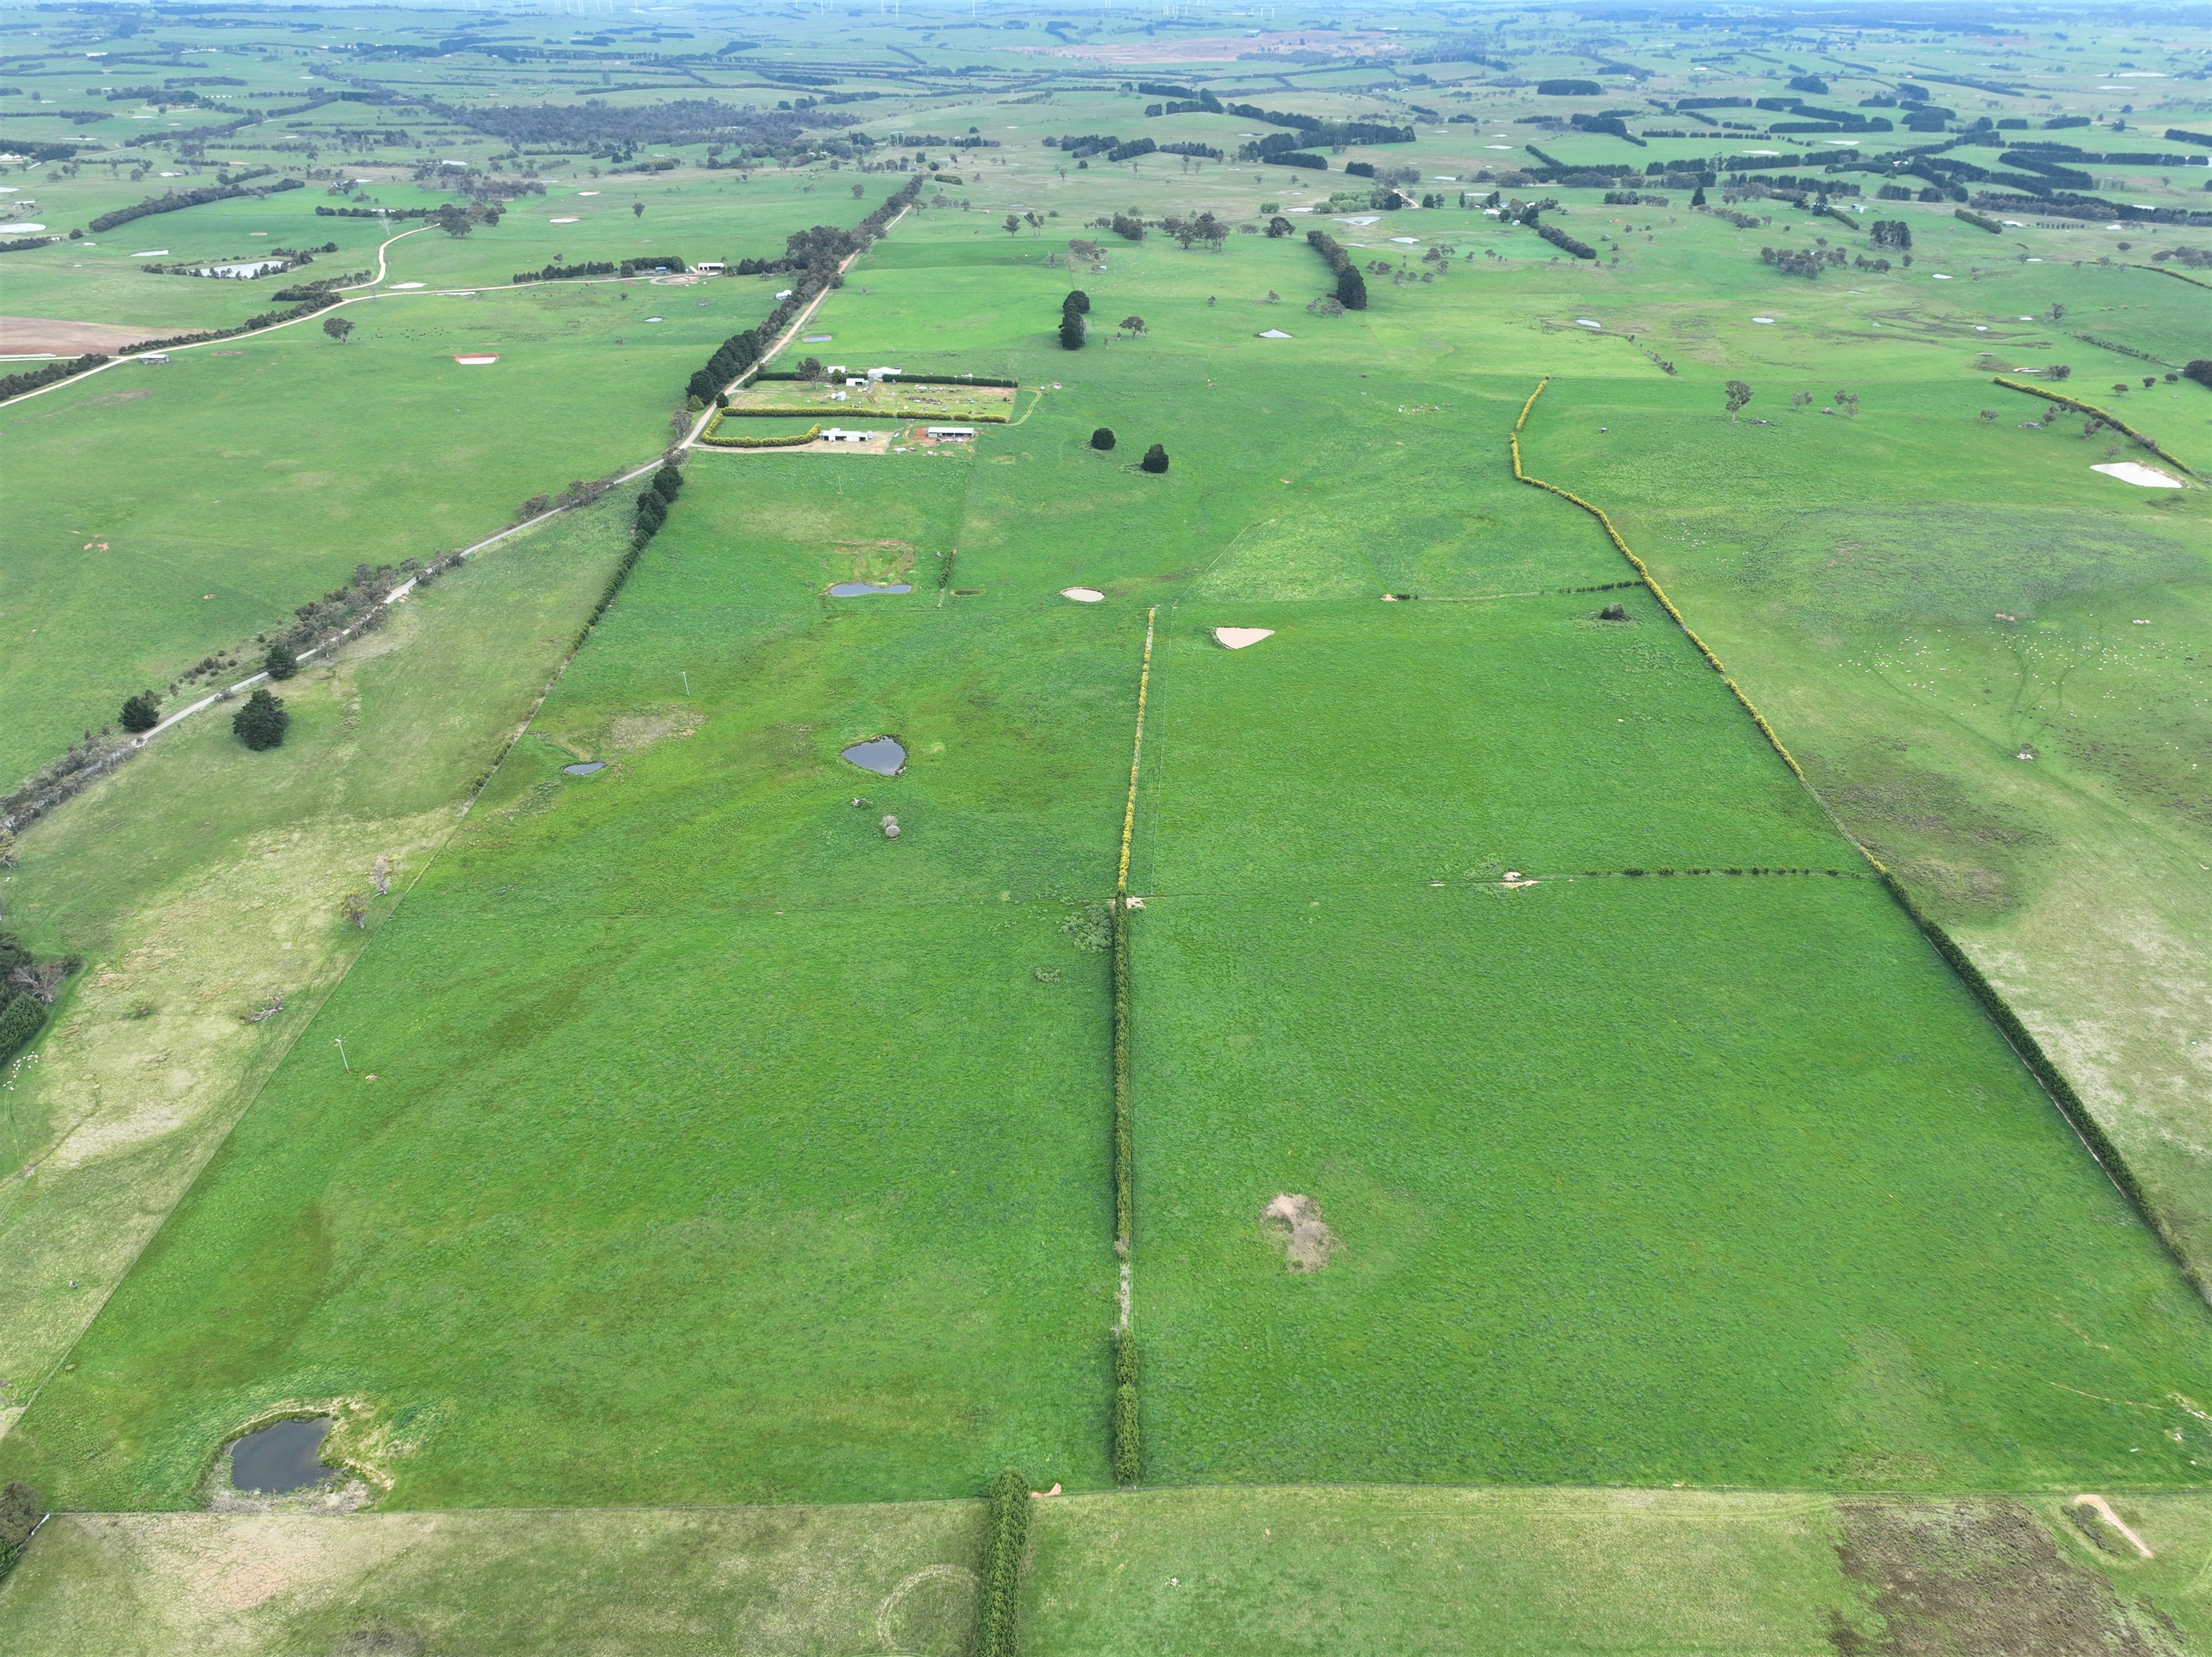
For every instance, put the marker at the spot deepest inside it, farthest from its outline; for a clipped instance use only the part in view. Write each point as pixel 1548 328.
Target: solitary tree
pixel 141 713
pixel 1155 458
pixel 1102 439
pixel 355 907
pixel 280 663
pixel 637 209
pixel 1279 226
pixel 261 723
pixel 1035 222
pixel 1134 325
pixel 1071 330
pixel 1738 395
pixel 859 191
pixel 337 327
pixel 1013 223
pixel 1078 301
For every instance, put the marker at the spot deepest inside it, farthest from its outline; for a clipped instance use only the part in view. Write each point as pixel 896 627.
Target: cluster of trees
pixel 31 379
pixel 1350 286
pixel 627 127
pixel 1558 238
pixel 1800 262
pixel 1204 227
pixel 27 988
pixel 653 503
pixel 1127 227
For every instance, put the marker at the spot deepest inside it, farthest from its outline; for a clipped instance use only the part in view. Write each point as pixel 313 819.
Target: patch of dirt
pixel 1980 1579
pixel 632 731
pixel 1295 1222
pixel 22 334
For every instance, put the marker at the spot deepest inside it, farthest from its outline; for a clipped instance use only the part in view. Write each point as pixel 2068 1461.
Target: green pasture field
pixel 1365 746
pixel 200 878
pixel 1305 1568
pixel 875 1120
pixel 719 1150
pixel 1717 1180
pixel 576 934
pixel 1992 596
pixel 264 468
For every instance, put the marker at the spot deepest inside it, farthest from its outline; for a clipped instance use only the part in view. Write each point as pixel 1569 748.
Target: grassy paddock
pixel 1297 1568
pixel 1717 1181
pixel 200 877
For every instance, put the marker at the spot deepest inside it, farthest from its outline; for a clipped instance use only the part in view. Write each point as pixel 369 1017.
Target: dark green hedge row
pixel 1560 240
pixel 1124 1200
pixel 1350 286
pixel 31 380
pixel 1128 1459
pixel 2031 1055
pixel 1005 1538
pixel 176 200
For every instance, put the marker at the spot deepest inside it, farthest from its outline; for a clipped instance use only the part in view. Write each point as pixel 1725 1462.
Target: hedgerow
pixel 16 385
pixel 1350 286
pixel 177 200
pixel 1124 1159
pixel 740 351
pixel 1128 1460
pixel 2053 1080
pixel 708 436
pixel 1005 1539
pixel 2113 421
pixel 1560 240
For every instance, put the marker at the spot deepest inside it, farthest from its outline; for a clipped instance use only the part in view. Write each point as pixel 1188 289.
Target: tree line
pixel 816 246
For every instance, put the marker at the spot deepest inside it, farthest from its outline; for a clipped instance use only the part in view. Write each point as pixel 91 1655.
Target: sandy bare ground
pixel 21 336
pixel 1218 48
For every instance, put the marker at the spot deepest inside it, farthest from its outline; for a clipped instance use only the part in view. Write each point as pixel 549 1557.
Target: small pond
pixel 882 754
pixel 861 589
pixel 284 1457
pixel 587 768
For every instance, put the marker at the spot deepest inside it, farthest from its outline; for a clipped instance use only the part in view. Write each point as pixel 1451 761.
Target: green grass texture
pixel 693 1020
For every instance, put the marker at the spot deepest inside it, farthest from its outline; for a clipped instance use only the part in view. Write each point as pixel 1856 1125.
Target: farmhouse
pixel 839 435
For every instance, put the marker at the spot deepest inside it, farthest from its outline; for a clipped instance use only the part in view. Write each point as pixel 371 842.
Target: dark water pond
pixel 861 589
pixel 587 768
pixel 284 1457
pixel 881 755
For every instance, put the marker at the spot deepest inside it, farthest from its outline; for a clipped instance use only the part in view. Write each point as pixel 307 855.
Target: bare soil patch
pixel 631 732
pixel 1981 1579
pixel 22 334
pixel 1295 1220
